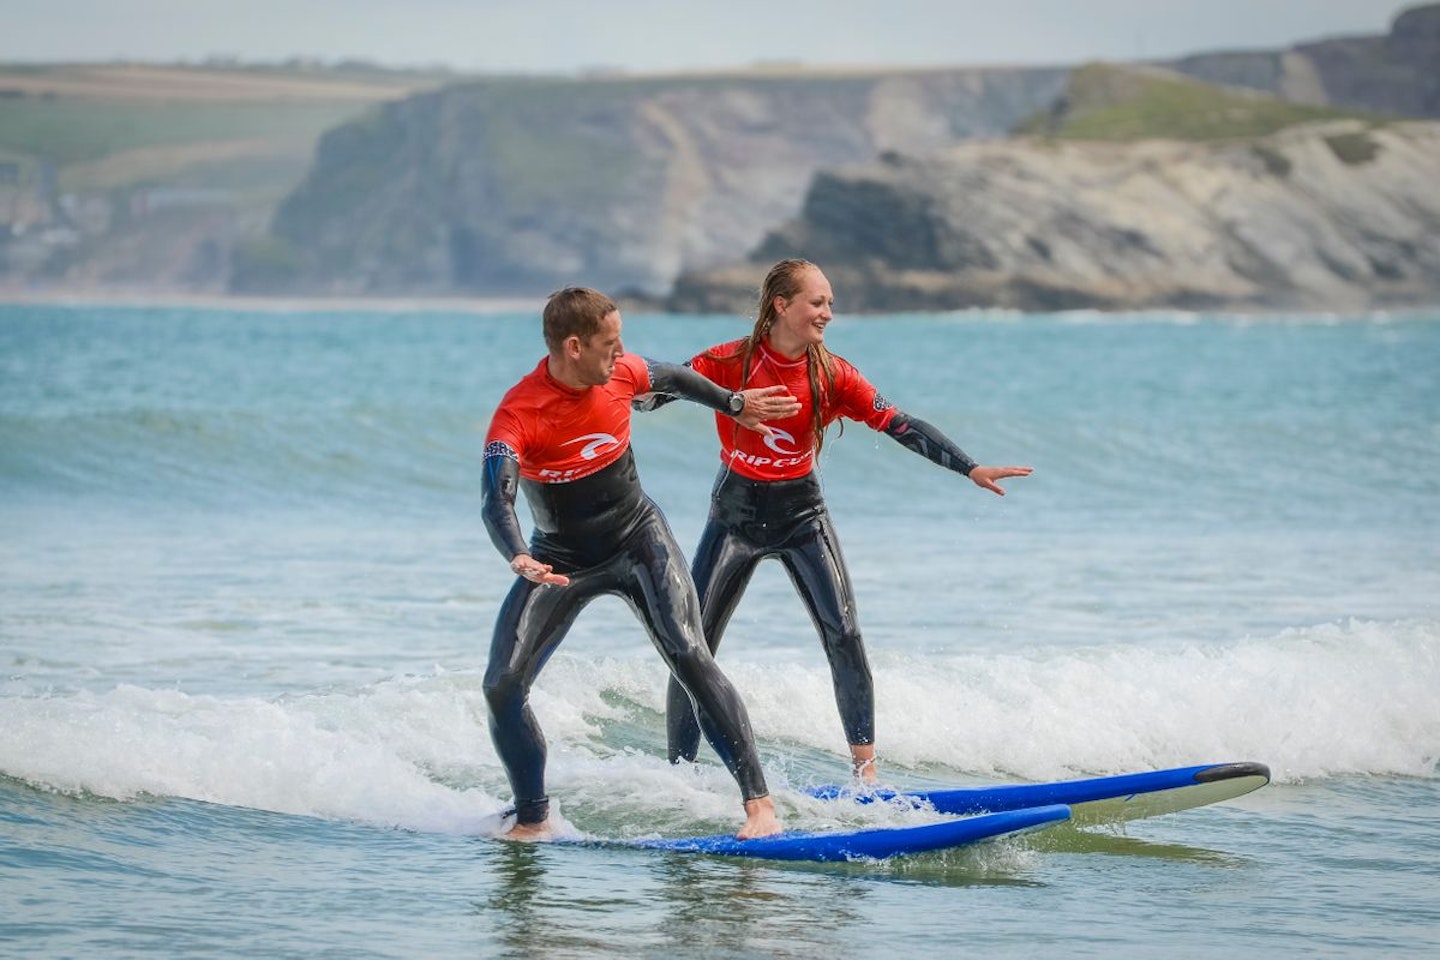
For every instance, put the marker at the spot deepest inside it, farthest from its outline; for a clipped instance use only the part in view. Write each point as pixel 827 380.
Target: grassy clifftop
pixel 117 175
pixel 1126 103
pixel 103 126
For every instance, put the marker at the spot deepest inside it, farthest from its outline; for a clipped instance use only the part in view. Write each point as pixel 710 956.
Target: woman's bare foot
pixel 862 762
pixel 760 819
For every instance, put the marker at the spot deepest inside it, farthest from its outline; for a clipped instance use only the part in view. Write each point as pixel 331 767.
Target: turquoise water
pixel 245 599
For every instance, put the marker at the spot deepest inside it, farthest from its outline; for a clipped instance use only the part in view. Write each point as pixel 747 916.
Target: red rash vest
pixel 790 453
pixel 560 434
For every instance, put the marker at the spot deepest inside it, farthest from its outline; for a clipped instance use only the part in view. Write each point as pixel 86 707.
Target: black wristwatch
pixel 735 403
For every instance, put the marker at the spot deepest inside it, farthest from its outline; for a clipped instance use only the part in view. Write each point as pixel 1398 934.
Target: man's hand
pixel 533 570
pixel 766 403
pixel 986 476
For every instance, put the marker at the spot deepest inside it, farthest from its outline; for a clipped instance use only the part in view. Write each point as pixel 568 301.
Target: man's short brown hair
pixel 575 311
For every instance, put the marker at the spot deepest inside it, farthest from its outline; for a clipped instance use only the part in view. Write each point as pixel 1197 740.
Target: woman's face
pixel 801 320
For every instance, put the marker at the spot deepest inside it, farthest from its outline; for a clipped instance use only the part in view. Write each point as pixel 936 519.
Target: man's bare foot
pixel 760 819
pixel 529 832
pixel 862 762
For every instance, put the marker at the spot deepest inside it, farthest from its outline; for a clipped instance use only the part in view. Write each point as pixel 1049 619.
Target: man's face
pixel 596 363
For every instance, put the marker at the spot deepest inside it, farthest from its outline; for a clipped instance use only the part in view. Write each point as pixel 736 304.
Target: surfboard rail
pixel 1130 796
pixel 879 843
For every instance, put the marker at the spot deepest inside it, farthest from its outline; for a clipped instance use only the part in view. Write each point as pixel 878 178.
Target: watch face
pixel 737 402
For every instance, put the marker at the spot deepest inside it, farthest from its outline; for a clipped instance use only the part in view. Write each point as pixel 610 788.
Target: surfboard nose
pixel 1229 771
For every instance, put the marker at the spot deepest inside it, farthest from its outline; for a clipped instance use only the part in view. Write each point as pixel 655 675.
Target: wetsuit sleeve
pixel 857 399
pixel 502 478
pixel 930 443
pixel 672 381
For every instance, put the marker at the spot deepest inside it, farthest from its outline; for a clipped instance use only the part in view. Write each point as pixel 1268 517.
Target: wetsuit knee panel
pixel 692 664
pixel 502 685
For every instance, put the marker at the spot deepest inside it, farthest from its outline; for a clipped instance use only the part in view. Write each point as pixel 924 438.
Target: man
pixel 562 434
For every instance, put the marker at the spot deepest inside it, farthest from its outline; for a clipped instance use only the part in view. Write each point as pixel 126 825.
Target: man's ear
pixel 571 347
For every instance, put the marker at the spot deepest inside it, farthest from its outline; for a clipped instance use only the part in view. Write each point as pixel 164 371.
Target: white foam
pixel 351 757
pixel 1353 698
pixel 1336 699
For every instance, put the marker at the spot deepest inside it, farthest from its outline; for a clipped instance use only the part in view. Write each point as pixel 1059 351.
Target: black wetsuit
pixel 608 537
pixel 778 511
pixel 786 519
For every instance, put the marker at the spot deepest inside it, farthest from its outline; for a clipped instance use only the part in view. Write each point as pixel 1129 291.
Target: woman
pixel 767 501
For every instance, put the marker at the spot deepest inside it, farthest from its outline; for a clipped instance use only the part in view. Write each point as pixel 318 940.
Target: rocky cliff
pixel 136 178
pixel 1396 74
pixel 517 185
pixel 520 185
pixel 1325 216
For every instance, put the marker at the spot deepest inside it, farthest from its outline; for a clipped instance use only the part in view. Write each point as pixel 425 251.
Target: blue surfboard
pixel 1130 796
pixel 875 844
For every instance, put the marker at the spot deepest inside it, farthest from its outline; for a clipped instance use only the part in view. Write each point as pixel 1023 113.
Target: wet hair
pixel 785 280
pixel 575 312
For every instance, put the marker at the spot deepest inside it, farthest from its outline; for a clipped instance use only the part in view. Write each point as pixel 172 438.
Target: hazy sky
pixel 649 35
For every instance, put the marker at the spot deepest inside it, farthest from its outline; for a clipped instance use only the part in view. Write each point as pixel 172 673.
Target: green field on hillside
pixel 1118 104
pixel 101 126
pixel 67 131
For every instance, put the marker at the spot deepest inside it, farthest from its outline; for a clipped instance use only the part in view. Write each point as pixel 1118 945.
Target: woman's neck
pixel 791 348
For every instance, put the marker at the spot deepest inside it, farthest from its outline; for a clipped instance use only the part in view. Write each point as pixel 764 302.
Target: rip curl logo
pixel 777 440
pixel 598 444
pixel 595 445
pixel 783 443
pixel 881 403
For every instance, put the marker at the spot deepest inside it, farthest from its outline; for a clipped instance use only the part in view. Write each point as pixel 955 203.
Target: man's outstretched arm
pixel 669 381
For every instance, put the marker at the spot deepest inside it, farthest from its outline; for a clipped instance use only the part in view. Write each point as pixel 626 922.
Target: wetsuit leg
pixel 532 622
pixel 661 591
pixel 723 566
pixel 813 559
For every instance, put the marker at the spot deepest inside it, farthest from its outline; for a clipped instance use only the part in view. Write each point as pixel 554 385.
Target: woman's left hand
pixel 986 477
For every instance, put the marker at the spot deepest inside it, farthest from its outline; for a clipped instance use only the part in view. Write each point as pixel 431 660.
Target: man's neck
pixel 563 373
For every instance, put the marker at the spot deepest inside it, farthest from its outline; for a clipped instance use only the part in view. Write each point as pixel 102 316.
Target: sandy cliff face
pixel 1323 217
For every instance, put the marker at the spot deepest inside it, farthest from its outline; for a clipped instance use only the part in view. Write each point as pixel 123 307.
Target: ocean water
pixel 246 598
